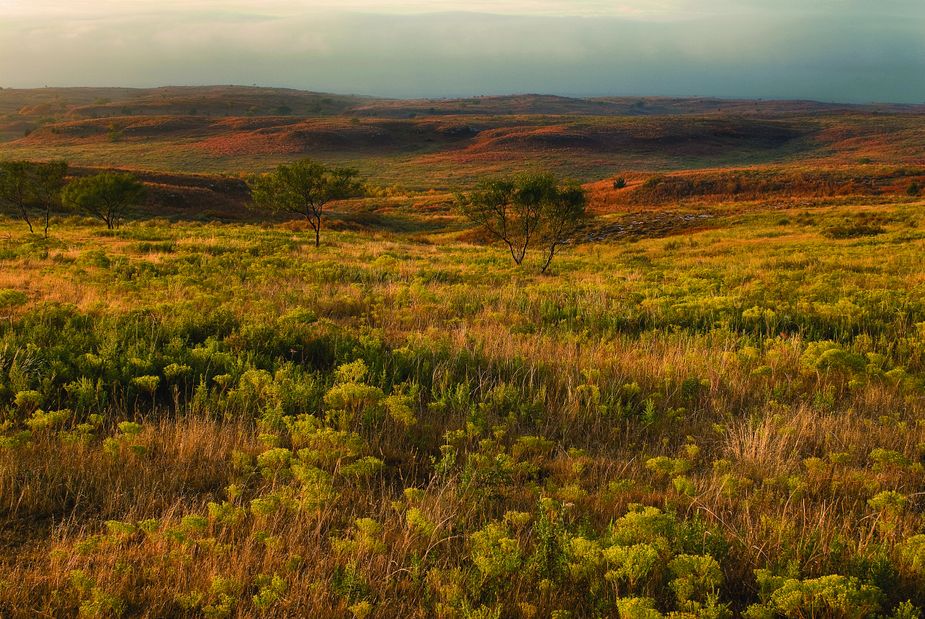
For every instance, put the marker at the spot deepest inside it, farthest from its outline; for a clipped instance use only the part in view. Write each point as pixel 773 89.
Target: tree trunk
pixel 552 252
pixel 25 218
pixel 315 223
pixel 47 217
pixel 517 259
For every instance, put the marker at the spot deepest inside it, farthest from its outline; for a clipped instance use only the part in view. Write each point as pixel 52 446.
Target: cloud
pixel 675 9
pixel 834 50
pixel 96 8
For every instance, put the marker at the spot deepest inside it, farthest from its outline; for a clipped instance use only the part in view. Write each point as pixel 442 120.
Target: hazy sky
pixel 837 50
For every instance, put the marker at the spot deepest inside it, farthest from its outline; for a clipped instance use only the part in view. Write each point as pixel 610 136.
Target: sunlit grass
pixel 220 420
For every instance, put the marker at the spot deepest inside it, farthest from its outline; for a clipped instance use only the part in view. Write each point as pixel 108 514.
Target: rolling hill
pixel 448 143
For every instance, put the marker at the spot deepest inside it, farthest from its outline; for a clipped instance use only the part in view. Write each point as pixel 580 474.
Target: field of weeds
pixel 219 420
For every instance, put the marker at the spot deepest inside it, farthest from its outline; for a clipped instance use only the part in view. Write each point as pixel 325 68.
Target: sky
pixel 829 50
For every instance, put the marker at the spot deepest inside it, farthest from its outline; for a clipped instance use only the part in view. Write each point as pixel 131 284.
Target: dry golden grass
pixel 758 381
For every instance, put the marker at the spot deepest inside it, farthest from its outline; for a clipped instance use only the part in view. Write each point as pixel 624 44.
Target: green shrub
pixel 695 578
pixel 836 596
pixel 631 565
pixel 495 554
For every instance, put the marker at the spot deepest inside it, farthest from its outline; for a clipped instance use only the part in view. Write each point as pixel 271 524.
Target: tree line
pixel 35 189
pixel 522 213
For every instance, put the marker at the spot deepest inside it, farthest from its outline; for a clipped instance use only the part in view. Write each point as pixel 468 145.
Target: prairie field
pixel 712 405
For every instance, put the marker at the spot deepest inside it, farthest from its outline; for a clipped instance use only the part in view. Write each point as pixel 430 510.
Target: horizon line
pixel 581 97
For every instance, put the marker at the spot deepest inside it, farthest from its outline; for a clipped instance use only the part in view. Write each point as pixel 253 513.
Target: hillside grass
pixel 452 152
pixel 205 419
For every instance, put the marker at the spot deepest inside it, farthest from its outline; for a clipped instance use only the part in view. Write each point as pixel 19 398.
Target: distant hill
pixel 614 106
pixel 81 103
pixel 444 142
pixel 75 103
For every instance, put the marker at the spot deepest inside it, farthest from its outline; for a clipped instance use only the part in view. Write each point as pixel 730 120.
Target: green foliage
pixel 643 525
pixel 316 486
pixel 888 460
pixel 631 565
pixel 347 583
pixel 130 428
pixel 304 188
pixel 912 556
pixel 28 400
pixel 906 610
pixel 830 596
pixel 399 408
pixel 366 538
pixel 437 436
pixel 888 501
pixel 32 189
pixel 42 420
pixel 351 400
pixel 273 462
pixel 10 299
pixel 695 578
pixel 667 467
pixel 106 196
pixel 148 384
pixel 270 590
pixel 363 468
pixel 495 553
pixel 638 608
pixel 525 211
pixel 224 593
pixel 828 356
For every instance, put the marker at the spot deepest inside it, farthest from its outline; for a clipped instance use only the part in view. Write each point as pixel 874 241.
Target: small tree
pixel 526 210
pixel 304 188
pixel 28 186
pixel 561 218
pixel 48 183
pixel 16 188
pixel 105 196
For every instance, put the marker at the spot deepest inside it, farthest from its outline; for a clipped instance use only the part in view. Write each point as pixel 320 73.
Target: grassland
pixel 714 405
pixel 216 419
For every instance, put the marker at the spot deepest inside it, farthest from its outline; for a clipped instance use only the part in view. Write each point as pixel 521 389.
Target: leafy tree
pixel 561 217
pixel 304 188
pixel 528 209
pixel 496 207
pixel 27 186
pixel 48 183
pixel 15 188
pixel 105 196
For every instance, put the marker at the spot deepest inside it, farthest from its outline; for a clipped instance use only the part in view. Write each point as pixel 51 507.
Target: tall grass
pixel 217 420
